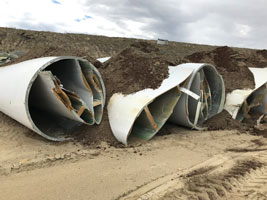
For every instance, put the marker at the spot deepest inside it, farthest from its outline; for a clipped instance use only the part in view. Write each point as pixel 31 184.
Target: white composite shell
pixel 235 99
pixel 104 59
pixel 240 102
pixel 51 95
pixel 203 96
pixel 129 114
pixel 143 113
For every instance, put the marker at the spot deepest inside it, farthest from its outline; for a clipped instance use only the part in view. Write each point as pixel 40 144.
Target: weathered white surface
pixel 187 106
pixel 235 99
pixel 260 76
pixel 102 60
pixel 123 110
pixel 17 81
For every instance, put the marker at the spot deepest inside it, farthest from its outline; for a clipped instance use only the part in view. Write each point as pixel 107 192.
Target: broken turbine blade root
pixel 94 81
pixel 55 95
pixel 241 104
pixel 190 95
pixel 256 101
pixel 203 96
pixel 154 115
pixel 142 114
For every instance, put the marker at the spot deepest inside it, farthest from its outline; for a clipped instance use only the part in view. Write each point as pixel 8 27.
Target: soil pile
pixel 232 65
pixel 257 122
pixel 224 121
pixel 259 59
pixel 94 135
pixel 135 68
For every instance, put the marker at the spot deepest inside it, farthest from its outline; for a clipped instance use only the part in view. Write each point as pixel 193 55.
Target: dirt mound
pixel 257 122
pixel 262 52
pixel 223 121
pixel 133 69
pixel 260 58
pixel 94 135
pixel 232 65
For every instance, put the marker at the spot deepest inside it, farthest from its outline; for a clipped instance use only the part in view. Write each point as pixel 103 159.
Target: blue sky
pixel 55 2
pixel 238 23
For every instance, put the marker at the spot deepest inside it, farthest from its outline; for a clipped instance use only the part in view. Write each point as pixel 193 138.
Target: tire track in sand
pixel 230 176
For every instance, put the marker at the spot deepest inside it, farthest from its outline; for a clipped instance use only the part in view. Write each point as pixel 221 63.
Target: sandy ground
pixel 33 168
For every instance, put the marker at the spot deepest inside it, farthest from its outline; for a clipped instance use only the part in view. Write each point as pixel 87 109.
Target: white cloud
pixel 243 30
pixel 233 23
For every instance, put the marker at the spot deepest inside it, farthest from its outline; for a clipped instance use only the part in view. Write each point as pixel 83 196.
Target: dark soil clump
pixel 135 68
pixel 93 135
pixel 258 129
pixel 223 121
pixel 232 65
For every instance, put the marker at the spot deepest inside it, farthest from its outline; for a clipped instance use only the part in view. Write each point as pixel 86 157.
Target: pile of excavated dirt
pixel 232 65
pixel 135 68
pixel 94 135
pixel 224 121
pixel 259 59
pixel 257 122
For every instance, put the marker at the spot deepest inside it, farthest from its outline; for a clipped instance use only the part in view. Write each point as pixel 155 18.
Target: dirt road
pixel 43 170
